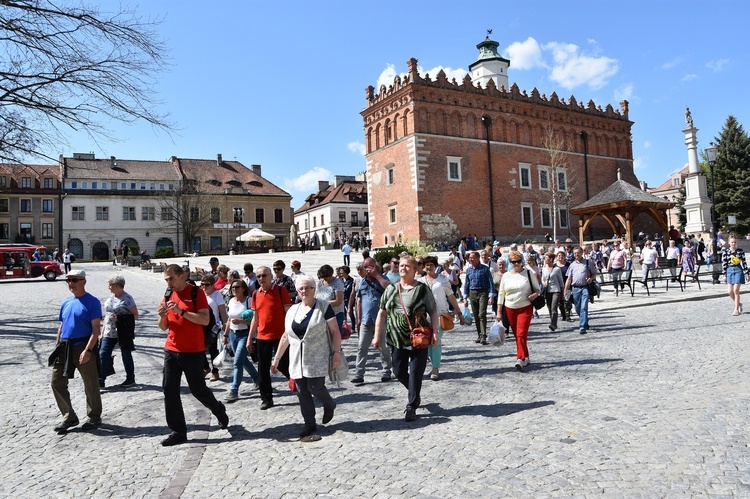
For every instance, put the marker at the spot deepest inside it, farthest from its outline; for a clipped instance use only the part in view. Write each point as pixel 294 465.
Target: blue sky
pixel 283 86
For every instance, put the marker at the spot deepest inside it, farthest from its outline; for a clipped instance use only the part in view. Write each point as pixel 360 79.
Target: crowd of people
pixel 292 324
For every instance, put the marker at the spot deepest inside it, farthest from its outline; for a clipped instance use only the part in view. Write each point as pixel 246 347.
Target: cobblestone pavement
pixel 654 402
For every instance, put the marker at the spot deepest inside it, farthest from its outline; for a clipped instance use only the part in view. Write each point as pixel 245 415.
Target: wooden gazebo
pixel 620 204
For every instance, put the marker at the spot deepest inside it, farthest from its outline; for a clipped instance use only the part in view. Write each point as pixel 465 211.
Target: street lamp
pixel 711 156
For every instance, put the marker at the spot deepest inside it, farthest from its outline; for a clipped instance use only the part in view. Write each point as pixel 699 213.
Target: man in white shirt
pixel 673 256
pixel 649 261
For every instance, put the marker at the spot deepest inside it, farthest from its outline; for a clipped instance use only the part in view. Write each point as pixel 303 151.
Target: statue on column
pixel 688 118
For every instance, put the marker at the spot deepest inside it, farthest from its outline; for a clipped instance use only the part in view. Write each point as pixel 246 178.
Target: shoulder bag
pixel 421 336
pixel 539 300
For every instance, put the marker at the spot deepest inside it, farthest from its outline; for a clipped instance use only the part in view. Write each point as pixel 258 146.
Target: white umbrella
pixel 256 235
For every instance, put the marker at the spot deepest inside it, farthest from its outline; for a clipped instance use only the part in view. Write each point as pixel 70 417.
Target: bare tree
pixel 184 213
pixel 70 67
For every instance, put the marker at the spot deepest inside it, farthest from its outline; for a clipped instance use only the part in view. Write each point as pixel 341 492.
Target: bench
pixel 158 267
pixel 624 278
pixel 661 274
pixel 703 270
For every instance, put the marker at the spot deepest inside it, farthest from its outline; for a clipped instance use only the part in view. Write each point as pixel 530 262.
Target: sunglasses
pixel 516 261
pixel 73 280
pixel 276 269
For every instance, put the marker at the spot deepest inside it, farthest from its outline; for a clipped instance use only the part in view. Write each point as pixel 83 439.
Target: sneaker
pixel 266 404
pixel 214 377
pixel 385 379
pixel 127 383
pixel 328 414
pixel 90 424
pixel 736 312
pixel 410 414
pixel 358 380
pixel 223 421
pixel 526 362
pixel 582 331
pixel 519 365
pixel 174 438
pixel 231 397
pixel 65 426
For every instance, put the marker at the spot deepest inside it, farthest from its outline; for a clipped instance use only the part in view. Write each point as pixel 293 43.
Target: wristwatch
pixel 182 312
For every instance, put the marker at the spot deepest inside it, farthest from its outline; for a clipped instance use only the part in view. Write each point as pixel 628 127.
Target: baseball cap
pixel 81 274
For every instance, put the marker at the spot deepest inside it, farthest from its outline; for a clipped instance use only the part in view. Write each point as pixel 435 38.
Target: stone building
pixel 447 158
pixel 670 191
pixel 29 204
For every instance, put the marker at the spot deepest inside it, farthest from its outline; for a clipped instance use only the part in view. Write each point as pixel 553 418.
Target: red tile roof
pixel 667 185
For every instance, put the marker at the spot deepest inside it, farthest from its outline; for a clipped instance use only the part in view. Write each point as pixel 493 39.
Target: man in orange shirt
pixel 184 351
pixel 270 302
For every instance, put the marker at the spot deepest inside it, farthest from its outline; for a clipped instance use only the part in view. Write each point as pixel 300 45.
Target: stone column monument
pixel 697 202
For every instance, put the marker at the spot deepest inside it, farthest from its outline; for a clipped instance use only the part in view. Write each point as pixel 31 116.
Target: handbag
pixel 446 321
pixel 345 331
pixel 539 300
pixel 421 336
pixel 221 358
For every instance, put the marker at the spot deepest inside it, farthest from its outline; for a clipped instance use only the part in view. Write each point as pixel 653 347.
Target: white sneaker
pixel 736 312
pixel 519 365
pixel 526 362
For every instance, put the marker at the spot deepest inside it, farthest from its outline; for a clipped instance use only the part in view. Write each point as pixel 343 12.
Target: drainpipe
pixel 585 137
pixel 487 124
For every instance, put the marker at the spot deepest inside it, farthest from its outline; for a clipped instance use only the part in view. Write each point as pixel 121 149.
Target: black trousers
pixel 191 364
pixel 409 367
pixel 266 351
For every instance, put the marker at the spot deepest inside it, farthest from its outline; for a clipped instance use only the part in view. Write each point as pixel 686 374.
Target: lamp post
pixel 487 121
pixel 711 156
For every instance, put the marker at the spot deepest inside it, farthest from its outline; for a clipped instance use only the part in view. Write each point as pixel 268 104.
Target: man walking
pixel 347 252
pixel 478 291
pixel 270 302
pixel 581 273
pixel 80 320
pixel 183 312
pixel 369 291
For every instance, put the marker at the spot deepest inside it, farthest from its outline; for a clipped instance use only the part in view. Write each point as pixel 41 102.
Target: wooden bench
pixel 158 267
pixel 661 274
pixel 624 278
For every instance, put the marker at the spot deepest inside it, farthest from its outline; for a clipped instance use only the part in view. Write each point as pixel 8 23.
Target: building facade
pixel 336 210
pixel 670 191
pixel 30 204
pixel 447 158
pixel 192 205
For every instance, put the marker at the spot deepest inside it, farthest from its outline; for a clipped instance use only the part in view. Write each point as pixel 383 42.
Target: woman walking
pixel 236 330
pixel 400 306
pixel 734 268
pixel 553 282
pixel 331 288
pixel 218 307
pixel 118 328
pixel 687 260
pixel 518 289
pixel 441 290
pixel 312 336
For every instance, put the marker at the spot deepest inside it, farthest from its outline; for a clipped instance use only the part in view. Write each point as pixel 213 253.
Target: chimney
pixel 256 169
pixel 112 162
pixel 218 160
pixel 619 175
pixel 643 185
pixel 323 185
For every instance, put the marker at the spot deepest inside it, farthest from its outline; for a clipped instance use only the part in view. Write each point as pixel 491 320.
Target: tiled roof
pixel 34 170
pixel 620 192
pixel 346 192
pixel 120 169
pixel 213 178
pixel 667 185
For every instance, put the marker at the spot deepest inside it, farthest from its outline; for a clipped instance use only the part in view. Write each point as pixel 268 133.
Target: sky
pixel 283 86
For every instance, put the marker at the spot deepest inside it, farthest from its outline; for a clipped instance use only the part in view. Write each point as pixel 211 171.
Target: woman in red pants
pixel 518 289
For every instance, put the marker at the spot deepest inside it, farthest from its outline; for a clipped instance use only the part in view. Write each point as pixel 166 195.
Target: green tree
pixel 732 177
pixel 680 206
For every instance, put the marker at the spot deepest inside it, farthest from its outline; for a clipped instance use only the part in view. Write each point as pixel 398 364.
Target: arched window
pixel 164 242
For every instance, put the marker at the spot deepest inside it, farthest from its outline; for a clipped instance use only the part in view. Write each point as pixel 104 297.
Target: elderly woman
pixel 400 306
pixel 518 289
pixel 221 278
pixel 118 327
pixel 444 297
pixel 236 330
pixel 312 336
pixel 331 288
pixel 553 282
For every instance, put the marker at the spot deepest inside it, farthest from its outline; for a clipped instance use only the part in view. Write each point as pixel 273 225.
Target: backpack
pixel 208 329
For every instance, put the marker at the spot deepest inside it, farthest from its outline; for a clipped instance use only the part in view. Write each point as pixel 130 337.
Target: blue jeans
pixel 105 358
pixel 581 299
pixel 239 344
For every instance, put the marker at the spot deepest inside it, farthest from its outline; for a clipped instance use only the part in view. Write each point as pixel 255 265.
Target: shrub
pixel 166 252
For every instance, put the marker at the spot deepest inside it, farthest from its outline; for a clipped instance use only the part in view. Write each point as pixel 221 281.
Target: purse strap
pixel 528 275
pixel 398 287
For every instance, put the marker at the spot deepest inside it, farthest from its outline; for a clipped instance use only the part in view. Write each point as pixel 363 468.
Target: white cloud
pixel 689 76
pixel 308 181
pixel 624 93
pixel 525 55
pixel 669 65
pixel 647 144
pixel 573 68
pixel 639 164
pixel 717 65
pixel 386 77
pixel 356 146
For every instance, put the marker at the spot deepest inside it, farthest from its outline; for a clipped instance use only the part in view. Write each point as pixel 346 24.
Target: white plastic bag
pixel 496 337
pixel 219 360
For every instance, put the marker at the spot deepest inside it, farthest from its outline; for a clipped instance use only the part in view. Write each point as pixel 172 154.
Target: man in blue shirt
pixel 369 291
pixel 478 291
pixel 80 318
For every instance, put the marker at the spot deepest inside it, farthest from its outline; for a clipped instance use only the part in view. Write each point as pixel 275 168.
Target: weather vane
pixel 489 32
